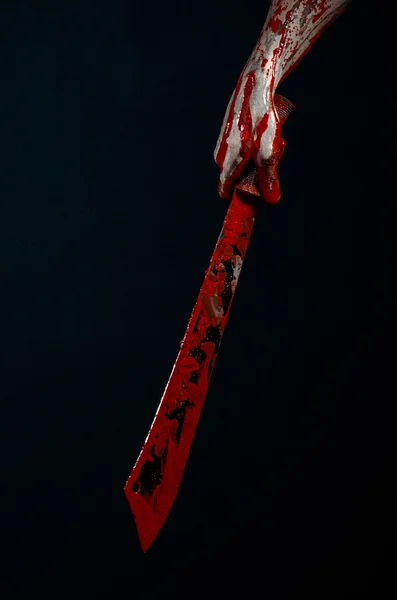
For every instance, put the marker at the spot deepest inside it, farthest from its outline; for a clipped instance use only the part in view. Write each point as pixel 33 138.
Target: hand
pixel 252 132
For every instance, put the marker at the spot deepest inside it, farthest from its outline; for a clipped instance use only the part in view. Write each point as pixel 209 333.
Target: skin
pixel 251 130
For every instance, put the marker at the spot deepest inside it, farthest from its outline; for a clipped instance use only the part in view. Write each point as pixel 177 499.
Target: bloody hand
pixel 251 129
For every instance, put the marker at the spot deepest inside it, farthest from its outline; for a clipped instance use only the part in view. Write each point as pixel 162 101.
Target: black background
pixel 110 111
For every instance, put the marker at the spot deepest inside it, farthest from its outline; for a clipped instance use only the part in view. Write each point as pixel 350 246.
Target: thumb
pixel 267 175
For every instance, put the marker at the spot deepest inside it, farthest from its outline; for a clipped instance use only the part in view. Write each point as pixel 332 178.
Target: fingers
pixel 266 168
pixel 240 143
pixel 267 174
pixel 251 130
pixel 268 182
pixel 231 172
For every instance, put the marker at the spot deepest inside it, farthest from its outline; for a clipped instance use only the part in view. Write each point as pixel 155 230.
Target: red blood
pixel 275 24
pixel 245 119
pixel 260 130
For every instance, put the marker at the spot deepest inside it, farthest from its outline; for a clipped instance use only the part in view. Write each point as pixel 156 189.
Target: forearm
pixel 290 29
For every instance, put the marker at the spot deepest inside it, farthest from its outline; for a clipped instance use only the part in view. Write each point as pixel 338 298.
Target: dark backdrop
pixel 109 115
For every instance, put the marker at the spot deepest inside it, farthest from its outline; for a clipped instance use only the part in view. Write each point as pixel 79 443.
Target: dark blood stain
pixel 227 292
pixel 150 476
pixel 195 328
pixel 198 354
pixel 155 478
pixel 236 250
pixel 179 414
pixel 214 335
pixel 194 377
